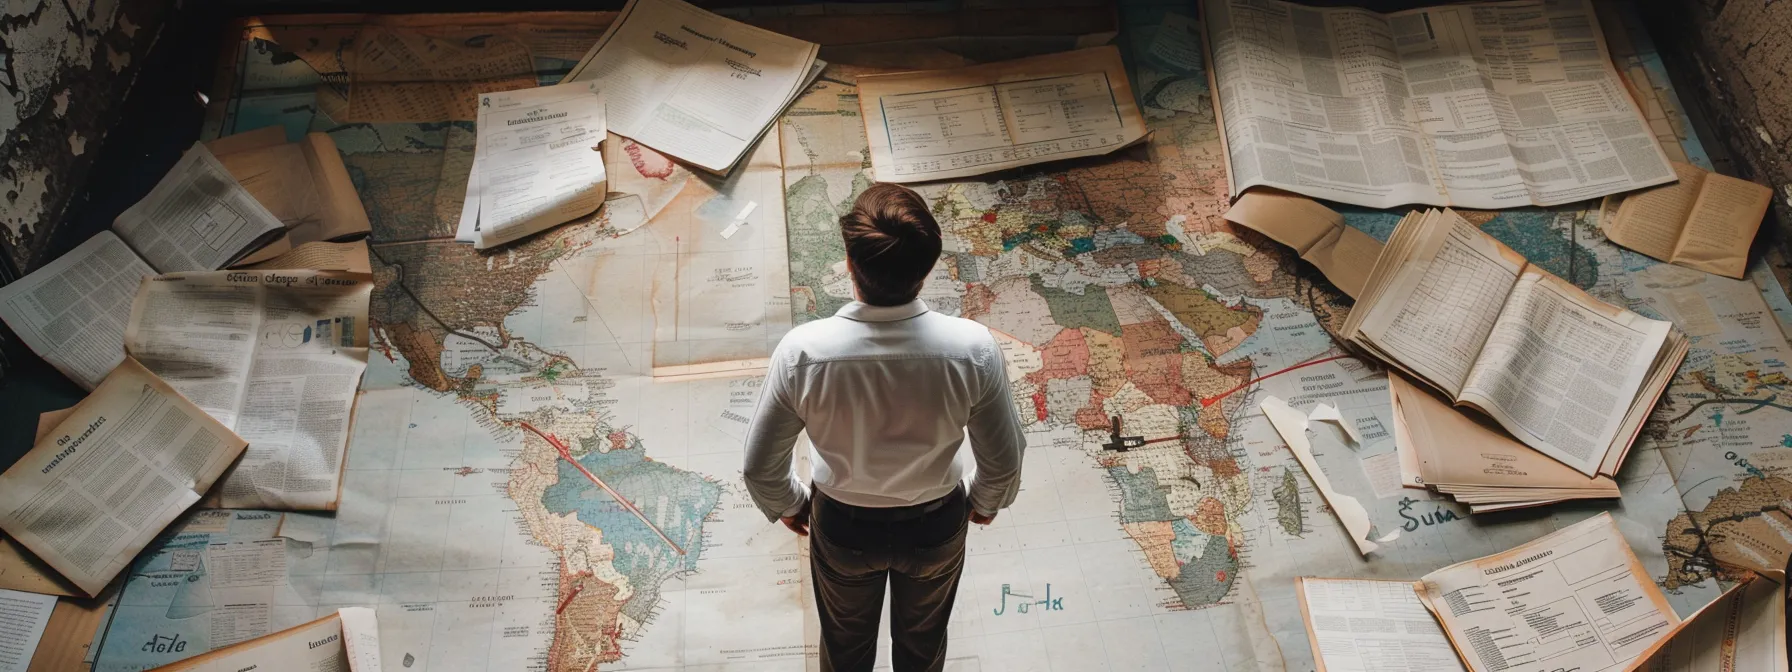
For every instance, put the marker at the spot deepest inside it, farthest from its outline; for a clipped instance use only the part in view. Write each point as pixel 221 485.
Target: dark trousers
pixel 918 550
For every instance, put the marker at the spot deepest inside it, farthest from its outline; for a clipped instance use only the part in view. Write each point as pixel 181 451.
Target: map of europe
pixel 522 493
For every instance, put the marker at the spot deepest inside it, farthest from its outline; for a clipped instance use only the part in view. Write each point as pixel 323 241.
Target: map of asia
pixel 522 493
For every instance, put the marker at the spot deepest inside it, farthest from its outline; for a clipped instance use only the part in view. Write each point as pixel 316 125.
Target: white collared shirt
pixel 887 394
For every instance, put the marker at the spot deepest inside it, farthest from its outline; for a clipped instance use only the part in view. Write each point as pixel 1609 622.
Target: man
pixel 887 390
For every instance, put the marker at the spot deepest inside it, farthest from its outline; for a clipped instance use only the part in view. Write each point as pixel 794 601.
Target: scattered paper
pixel 22 620
pixel 1292 425
pixel 1360 625
pixel 536 164
pixel 740 219
pixel 1384 474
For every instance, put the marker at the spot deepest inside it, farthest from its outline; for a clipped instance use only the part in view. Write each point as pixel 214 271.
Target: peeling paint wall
pixel 65 66
pixel 1732 59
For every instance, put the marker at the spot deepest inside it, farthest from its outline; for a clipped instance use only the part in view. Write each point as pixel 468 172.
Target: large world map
pixel 523 493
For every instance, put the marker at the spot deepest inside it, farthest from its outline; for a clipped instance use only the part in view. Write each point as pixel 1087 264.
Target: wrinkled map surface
pixel 1115 289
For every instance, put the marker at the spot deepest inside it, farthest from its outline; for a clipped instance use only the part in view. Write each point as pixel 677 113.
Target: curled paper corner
pixel 1389 537
pixel 1331 414
pixel 1292 426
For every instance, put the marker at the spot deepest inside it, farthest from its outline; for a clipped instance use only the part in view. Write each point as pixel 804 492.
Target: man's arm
pixel 770 476
pixel 996 439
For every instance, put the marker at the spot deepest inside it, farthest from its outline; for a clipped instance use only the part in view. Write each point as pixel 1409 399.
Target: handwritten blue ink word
pixel 1050 603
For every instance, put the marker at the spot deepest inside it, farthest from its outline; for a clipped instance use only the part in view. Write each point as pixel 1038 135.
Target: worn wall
pixel 65 66
pixel 1731 59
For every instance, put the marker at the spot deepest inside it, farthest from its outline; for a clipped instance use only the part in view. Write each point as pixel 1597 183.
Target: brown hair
pixel 892 242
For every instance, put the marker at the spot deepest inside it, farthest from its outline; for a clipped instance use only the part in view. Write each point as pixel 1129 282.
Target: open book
pixel 1705 221
pixel 1565 373
pixel 305 184
pixel 72 311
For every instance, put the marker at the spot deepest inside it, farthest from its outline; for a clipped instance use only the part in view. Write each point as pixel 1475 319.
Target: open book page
pixel 1743 629
pixel 1317 233
pixel 1661 374
pixel 693 84
pixel 1722 226
pixel 1358 625
pixel 72 311
pixel 345 641
pixel 277 355
pixel 1650 221
pixel 129 459
pixel 1574 599
pixel 1560 369
pixel 939 124
pixel 1454 447
pixel 1441 303
pixel 198 218
pixel 1489 105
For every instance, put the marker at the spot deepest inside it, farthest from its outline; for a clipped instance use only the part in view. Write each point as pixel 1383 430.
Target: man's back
pixel 886 393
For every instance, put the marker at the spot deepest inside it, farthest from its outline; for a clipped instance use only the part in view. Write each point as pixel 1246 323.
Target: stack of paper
pixel 692 84
pixel 1472 460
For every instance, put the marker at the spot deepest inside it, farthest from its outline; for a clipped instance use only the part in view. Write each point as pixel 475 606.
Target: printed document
pixel 125 462
pixel 536 162
pixel 1743 629
pixel 346 641
pixel 72 311
pixel 692 84
pixel 23 617
pixel 275 355
pixel 1574 599
pixel 1358 625
pixel 1706 221
pixel 1488 105
pixel 939 124
pixel 198 218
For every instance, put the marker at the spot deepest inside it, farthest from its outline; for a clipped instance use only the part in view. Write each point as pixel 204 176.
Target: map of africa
pixel 522 493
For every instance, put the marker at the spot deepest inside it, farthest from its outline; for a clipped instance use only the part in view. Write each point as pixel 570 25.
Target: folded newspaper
pixel 1481 105
pixel 112 475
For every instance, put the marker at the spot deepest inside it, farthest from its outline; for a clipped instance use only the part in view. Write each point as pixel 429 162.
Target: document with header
pixel 1486 105
pixel 939 124
pixel 1576 599
pixel 112 475
pixel 537 163
pixel 276 356
pixel 692 84
pixel 1360 625
pixel 345 641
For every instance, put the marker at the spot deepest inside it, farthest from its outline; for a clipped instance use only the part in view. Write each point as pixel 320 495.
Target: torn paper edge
pixel 1331 414
pixel 1292 426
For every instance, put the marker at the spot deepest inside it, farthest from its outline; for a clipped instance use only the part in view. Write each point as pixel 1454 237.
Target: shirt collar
pixel 864 312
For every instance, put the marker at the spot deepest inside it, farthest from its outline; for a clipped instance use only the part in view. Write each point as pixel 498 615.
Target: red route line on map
pixel 1209 401
pixel 566 454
